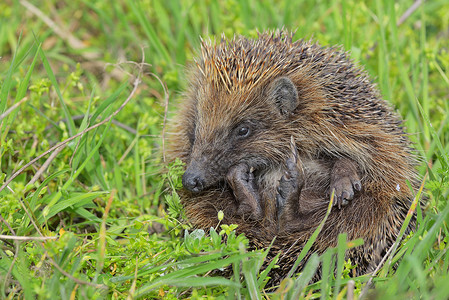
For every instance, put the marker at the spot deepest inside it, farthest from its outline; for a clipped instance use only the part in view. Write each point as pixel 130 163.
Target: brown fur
pixel 341 129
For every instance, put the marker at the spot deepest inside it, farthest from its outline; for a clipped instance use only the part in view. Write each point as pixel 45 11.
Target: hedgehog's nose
pixel 193 181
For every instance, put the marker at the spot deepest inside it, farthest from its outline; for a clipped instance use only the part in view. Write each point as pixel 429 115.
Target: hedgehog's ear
pixel 283 93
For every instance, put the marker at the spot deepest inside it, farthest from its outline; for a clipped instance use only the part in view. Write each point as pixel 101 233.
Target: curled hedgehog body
pixel 269 128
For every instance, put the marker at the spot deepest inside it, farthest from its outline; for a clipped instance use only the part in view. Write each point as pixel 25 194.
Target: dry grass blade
pixel 71 40
pixel 27 238
pixel 381 263
pixel 133 286
pixel 45 165
pixel 409 11
pixel 350 293
pixel 9 110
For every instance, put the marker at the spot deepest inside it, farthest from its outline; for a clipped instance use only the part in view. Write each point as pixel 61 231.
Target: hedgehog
pixel 270 129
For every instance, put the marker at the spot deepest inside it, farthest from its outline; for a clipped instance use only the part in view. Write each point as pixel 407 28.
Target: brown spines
pixel 240 64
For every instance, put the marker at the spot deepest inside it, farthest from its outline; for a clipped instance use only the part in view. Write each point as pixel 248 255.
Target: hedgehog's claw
pixel 294 153
pixel 345 182
pixel 290 184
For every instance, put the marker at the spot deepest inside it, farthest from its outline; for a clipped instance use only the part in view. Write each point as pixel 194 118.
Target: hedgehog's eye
pixel 243 132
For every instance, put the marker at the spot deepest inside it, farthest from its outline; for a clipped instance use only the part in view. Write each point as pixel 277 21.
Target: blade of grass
pixel 34 196
pixel 307 273
pixel 6 85
pixel 72 178
pixel 19 272
pixel 75 144
pixel 311 240
pixel 405 224
pixel 75 200
pixel 150 32
pixel 137 171
pixel 247 14
pixel 54 82
pixel 341 250
pixel 87 215
pixel 422 247
pixel 249 270
pixel 234 293
pixel 191 271
pixel 21 92
pixel 403 71
pixel 424 70
pixel 327 267
pixel 200 282
pixel 435 136
pixel 264 274
pixel 111 99
pixel 383 56
pixel 188 261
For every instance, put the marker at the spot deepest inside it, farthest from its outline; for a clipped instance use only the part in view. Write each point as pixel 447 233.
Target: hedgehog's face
pixel 230 130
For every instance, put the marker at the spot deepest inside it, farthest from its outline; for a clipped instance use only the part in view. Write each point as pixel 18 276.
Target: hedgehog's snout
pixel 193 180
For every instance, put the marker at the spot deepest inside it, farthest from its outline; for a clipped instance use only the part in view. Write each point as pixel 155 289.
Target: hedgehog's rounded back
pixel 248 99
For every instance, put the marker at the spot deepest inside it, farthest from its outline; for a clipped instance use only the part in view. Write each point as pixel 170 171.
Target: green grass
pixel 102 210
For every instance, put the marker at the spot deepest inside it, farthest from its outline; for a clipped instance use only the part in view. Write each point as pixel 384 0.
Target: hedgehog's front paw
pixel 243 184
pixel 345 181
